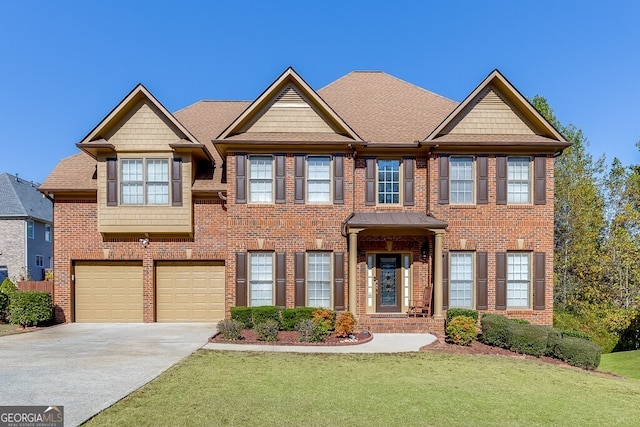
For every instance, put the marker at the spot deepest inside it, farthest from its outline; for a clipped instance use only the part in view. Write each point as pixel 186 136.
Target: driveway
pixel 87 366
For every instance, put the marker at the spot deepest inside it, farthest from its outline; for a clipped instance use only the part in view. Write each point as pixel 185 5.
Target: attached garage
pixel 108 292
pixel 189 291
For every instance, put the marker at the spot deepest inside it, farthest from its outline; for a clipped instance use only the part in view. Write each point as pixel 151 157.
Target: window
pixel 31 233
pixel 261 179
pixel 388 181
pixel 318 179
pixel 461 187
pixel 318 279
pixel 517 280
pixel 39 261
pixel 461 282
pixel 518 178
pixel 261 279
pixel 139 187
pixel 47 232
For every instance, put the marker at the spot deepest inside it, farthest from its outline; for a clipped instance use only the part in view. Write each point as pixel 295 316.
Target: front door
pixel 388 276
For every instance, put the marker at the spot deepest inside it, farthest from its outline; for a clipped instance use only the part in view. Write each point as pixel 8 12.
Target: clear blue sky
pixel 65 64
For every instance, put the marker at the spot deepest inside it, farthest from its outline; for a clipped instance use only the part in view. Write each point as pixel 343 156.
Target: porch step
pixel 400 323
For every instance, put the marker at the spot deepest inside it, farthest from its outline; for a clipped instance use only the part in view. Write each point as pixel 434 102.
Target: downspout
pixel 343 227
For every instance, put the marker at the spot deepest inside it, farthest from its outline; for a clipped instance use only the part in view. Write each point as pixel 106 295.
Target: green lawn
pixel 7 329
pixel 274 389
pixel 625 363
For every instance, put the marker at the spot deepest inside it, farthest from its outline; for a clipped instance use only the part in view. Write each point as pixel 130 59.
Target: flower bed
pixel 249 336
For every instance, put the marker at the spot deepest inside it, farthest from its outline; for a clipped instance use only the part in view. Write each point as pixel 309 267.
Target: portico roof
pixel 395 220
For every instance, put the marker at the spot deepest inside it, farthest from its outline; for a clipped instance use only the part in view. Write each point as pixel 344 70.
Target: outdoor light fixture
pixel 424 250
pixel 144 242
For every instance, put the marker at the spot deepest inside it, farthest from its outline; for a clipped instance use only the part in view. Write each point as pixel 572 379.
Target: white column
pixel 353 270
pixel 437 276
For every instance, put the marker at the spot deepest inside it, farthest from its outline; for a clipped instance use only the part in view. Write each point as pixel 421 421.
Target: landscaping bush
pixel 578 352
pixel 292 316
pixel 553 336
pixel 263 313
pixel 577 334
pixel 305 327
pixel 453 312
pixel 30 308
pixel 494 330
pixel 520 321
pixel 345 324
pixel 325 316
pixel 4 304
pixel 461 330
pixel 267 330
pixel 230 329
pixel 528 339
pixel 242 315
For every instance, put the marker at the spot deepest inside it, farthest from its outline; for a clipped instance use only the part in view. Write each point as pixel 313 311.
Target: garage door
pixel 190 292
pixel 108 292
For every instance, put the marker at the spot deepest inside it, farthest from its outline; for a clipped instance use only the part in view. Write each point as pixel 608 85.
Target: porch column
pixel 353 269
pixel 437 276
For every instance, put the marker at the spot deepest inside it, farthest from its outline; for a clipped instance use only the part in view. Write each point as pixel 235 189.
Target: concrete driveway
pixel 87 366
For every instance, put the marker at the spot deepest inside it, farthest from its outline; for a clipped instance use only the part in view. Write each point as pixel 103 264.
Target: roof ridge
pixel 10 180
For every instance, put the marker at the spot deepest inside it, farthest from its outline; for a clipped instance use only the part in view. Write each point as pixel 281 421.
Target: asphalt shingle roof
pixel 21 198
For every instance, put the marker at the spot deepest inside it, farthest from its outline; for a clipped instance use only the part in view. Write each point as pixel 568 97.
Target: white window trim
pixel 306 177
pixel 273 276
pixel 529 180
pixel 330 278
pixel 473 278
pixel 32 234
pixel 400 181
pixel 48 232
pixel 145 199
pixel 473 181
pixel 529 281
pixel 273 172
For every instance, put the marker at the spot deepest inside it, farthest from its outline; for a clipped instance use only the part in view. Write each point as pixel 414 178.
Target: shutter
pixel 241 178
pixel 483 181
pixel 241 279
pixel 370 181
pixel 445 280
pixel 300 297
pixel 281 279
pixel 338 179
pixel 280 173
pixel 112 182
pixel 409 167
pixel 298 173
pixel 538 289
pixel 540 181
pixel 338 281
pixel 176 182
pixel 501 281
pixel 501 180
pixel 481 281
pixel 443 180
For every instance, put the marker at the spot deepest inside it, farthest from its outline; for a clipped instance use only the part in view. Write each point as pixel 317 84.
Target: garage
pixel 108 292
pixel 189 291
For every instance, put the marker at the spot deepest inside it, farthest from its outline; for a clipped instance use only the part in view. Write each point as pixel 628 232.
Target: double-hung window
pixel 318 179
pixel 261 179
pixel 47 232
pixel 461 180
pixel 388 181
pixel 518 280
pixel 518 180
pixel 144 182
pixel 261 278
pixel 39 261
pixel 319 279
pixel 31 230
pixel 461 281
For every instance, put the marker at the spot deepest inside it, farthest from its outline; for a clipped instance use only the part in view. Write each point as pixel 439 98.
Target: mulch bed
pixel 249 336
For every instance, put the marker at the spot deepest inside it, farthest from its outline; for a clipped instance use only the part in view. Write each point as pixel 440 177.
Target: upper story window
pixel 47 232
pixel 461 282
pixel 461 180
pixel 318 179
pixel 261 179
pixel 388 181
pixel 144 182
pixel 518 280
pixel 31 233
pixel 260 278
pixel 518 180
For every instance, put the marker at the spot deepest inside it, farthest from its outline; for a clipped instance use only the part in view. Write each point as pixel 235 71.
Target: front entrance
pixel 388 268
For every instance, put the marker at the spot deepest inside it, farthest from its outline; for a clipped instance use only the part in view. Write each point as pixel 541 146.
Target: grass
pixel 8 329
pixel 625 363
pixel 422 389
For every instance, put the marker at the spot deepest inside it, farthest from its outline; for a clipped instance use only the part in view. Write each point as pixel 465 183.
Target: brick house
pixel 360 196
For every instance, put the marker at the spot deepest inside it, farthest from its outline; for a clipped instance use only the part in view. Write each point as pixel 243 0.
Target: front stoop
pixel 400 323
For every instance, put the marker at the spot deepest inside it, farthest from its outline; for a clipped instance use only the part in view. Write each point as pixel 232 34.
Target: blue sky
pixel 65 64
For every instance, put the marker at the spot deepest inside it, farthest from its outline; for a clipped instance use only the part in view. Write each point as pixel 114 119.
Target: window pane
pixel 261 280
pixel 319 280
pixel 518 180
pixel 517 280
pixel 388 181
pixel 30 230
pixel 158 194
pixel 260 179
pixel 461 282
pixel 461 180
pixel 318 179
pixel 132 194
pixel 157 170
pixel 132 170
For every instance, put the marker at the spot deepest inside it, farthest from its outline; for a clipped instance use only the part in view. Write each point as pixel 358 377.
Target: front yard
pixel 238 388
pixel 8 329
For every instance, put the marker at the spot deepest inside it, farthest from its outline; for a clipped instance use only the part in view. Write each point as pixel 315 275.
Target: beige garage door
pixel 190 292
pixel 108 292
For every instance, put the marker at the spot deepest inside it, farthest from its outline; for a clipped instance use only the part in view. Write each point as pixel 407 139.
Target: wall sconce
pixel 144 242
pixel 424 250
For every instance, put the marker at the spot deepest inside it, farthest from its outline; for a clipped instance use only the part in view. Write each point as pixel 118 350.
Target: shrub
pixel 528 339
pixel 292 316
pixel 578 352
pixel 326 316
pixel 461 330
pixel 453 312
pixel 230 329
pixel 553 336
pixel 305 327
pixel 263 313
pixel 494 330
pixel 242 315
pixel 577 334
pixel 30 308
pixel 520 321
pixel 8 287
pixel 345 324
pixel 267 330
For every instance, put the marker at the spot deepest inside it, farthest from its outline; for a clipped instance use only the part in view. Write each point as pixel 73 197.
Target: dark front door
pixel 388 276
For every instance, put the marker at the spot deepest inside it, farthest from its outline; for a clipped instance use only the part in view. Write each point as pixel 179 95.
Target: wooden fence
pixel 41 286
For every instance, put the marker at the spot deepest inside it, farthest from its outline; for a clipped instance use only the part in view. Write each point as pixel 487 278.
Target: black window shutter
pixel 338 281
pixel 300 297
pixel 539 285
pixel 483 180
pixel 241 178
pixel 338 179
pixel 482 302
pixel 409 167
pixel 112 182
pixel 241 279
pixel 501 281
pixel 298 173
pixel 281 279
pixel 501 180
pixel 540 181
pixel 445 280
pixel 176 182
pixel 370 181
pixel 443 180
pixel 280 182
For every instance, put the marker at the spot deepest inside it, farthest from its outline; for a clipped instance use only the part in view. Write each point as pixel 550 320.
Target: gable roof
pixel 21 198
pixel 75 174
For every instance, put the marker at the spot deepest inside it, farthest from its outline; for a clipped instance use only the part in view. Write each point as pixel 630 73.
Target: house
pixel 26 230
pixel 359 196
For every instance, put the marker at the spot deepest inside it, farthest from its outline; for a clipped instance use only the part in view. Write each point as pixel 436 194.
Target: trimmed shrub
pixel 520 321
pixel 8 287
pixel 267 330
pixel 30 308
pixel 528 339
pixel 263 313
pixel 553 336
pixel 325 316
pixel 292 316
pixel 577 334
pixel 230 329
pixel 305 327
pixel 345 324
pixel 242 315
pixel 4 304
pixel 453 312
pixel 461 330
pixel 578 352
pixel 494 330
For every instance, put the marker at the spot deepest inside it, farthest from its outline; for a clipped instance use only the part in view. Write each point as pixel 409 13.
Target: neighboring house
pixel 358 196
pixel 26 230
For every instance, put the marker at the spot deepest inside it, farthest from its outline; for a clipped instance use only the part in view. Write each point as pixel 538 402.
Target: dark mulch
pixel 249 336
